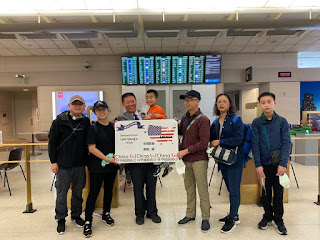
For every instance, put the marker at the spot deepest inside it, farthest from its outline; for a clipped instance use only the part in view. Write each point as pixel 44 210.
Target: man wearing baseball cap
pixel 68 151
pixel 195 130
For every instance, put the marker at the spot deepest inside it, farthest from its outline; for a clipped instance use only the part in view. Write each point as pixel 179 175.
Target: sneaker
pixel 87 230
pixel 166 171
pixel 61 229
pixel 155 219
pixel 280 227
pixel 205 226
pixel 140 220
pixel 223 220
pixel 264 223
pixel 185 220
pixel 228 226
pixel 108 219
pixel 157 170
pixel 78 221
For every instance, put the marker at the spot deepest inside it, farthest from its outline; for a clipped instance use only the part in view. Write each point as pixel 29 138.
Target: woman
pixel 227 132
pixel 101 142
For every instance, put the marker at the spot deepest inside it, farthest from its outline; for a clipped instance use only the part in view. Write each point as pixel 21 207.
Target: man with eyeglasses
pixel 67 152
pixel 195 130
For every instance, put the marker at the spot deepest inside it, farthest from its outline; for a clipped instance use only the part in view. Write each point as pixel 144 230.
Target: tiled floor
pixel 302 216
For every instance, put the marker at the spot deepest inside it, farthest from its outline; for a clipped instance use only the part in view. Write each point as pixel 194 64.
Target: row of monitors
pixel 171 69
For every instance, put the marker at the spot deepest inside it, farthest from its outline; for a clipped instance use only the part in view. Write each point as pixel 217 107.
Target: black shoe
pixel 264 223
pixel 185 220
pixel 108 219
pixel 61 229
pixel 205 226
pixel 228 226
pixel 166 171
pixel 78 221
pixel 223 220
pixel 155 219
pixel 140 220
pixel 280 227
pixel 87 230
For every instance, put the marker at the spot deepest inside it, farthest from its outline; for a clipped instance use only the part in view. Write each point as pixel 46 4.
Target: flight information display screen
pixel 213 69
pixel 196 69
pixel 146 70
pixel 129 70
pixel 179 69
pixel 163 69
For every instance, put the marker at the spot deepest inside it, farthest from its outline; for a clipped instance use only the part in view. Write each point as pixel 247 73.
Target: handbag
pixel 276 154
pixel 224 155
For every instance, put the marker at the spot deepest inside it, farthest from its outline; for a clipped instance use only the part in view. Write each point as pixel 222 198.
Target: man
pixel 67 152
pixel 141 173
pixel 271 135
pixel 195 131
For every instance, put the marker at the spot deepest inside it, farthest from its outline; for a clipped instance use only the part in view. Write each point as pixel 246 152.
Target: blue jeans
pixel 232 177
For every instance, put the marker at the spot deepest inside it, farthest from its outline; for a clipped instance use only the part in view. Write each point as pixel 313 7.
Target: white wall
pixel 208 97
pixel 249 97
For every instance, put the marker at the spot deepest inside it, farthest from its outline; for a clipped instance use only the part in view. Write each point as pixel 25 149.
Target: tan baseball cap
pixel 76 98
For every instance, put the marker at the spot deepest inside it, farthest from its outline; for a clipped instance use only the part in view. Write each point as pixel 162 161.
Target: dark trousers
pixel 142 175
pixel 273 210
pixel 76 178
pixel 232 177
pixel 96 180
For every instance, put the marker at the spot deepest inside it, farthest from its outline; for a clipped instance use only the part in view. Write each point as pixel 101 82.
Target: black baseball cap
pixel 191 94
pixel 100 104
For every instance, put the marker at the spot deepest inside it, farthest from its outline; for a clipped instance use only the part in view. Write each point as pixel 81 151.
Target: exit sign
pixel 284 74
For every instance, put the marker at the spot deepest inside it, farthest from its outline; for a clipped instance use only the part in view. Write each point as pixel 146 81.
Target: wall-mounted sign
pixel 284 74
pixel 249 74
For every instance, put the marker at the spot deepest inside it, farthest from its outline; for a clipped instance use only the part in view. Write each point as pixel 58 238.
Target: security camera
pixel 87 65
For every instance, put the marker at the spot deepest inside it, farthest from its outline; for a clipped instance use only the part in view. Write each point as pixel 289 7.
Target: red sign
pixel 60 94
pixel 284 74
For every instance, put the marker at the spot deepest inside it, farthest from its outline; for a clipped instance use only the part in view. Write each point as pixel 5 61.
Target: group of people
pixel 74 143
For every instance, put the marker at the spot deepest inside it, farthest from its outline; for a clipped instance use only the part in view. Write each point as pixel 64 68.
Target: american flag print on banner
pixel 161 134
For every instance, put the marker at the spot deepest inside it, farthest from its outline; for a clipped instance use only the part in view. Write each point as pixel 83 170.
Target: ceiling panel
pixel 282 48
pixel 46 44
pixel 53 52
pixel 120 51
pixel 234 48
pixel 314 33
pixel 315 48
pixel 149 43
pixel 250 48
pixel 135 43
pixel 190 42
pixel 70 51
pixel 239 41
pixel 87 51
pixel 258 40
pixel 104 51
pixel 201 49
pixel 298 48
pixel 2 47
pixel 64 44
pixel 185 49
pixel 137 50
pixel 169 50
pixel 21 52
pixel 117 42
pixel 6 53
pixel 222 42
pixel 291 40
pixel 205 42
pixel 274 40
pixel 153 50
pixel 100 43
pixel 11 44
pixel 28 44
pixel 37 52
pixel 218 49
pixel 308 40
pixel 169 43
pixel 266 48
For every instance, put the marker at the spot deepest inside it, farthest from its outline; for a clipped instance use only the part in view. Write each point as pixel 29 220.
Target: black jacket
pixel 67 141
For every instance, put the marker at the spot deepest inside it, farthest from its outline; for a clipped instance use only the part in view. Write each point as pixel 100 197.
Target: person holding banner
pixel 102 166
pixel 141 173
pixel 195 131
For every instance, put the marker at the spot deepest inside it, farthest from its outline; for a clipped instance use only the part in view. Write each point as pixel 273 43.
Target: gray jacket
pixel 128 116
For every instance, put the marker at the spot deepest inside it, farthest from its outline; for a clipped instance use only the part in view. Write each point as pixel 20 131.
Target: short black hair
pixel 128 94
pixel 264 94
pixel 154 92
pixel 231 109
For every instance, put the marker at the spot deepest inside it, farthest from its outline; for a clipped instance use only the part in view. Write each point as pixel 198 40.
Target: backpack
pixel 246 143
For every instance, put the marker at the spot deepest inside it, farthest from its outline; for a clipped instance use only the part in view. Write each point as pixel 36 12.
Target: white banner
pixel 146 141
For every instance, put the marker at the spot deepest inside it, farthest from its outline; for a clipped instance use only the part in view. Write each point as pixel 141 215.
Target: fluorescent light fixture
pixel 101 95
pixel 171 30
pixel 54 107
pixel 209 30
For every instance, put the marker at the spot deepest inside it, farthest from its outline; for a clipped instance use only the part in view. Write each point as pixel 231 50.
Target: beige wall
pixel 248 98
pixel 112 95
pixel 6 106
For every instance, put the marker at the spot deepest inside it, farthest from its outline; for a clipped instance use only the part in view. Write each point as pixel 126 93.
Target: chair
pixel 15 155
pixel 42 137
pixel 294 174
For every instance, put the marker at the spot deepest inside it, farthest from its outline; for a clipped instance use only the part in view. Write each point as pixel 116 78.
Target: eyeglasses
pixel 190 99
pixel 220 102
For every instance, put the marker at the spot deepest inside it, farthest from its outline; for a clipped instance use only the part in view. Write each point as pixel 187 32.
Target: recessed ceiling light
pixel 26 90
